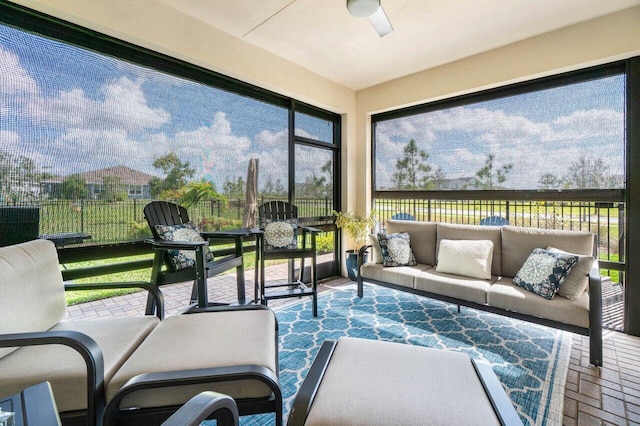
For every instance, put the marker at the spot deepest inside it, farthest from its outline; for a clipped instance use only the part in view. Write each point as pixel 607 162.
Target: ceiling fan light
pixel 362 8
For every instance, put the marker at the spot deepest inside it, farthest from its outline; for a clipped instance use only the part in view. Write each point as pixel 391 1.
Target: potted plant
pixel 359 229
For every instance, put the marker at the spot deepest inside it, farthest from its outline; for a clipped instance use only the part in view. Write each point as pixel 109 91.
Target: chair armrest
pixel 595 314
pixel 81 343
pixel 203 405
pixel 227 233
pixel 176 245
pixel 153 290
pixel 310 229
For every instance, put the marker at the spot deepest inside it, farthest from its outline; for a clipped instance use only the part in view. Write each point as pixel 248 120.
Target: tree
pixel 234 189
pixel 194 192
pixel 487 176
pixel 549 181
pixel 74 187
pixel 412 172
pixel 113 189
pixel 176 175
pixel 19 179
pixel 586 173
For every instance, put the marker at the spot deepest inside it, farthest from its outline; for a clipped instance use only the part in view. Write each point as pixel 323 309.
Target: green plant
pixel 358 228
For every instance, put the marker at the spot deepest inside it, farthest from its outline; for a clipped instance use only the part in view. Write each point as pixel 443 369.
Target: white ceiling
pixel 322 36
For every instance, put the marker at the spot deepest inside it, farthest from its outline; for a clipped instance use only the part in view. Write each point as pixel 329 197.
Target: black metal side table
pixel 33 406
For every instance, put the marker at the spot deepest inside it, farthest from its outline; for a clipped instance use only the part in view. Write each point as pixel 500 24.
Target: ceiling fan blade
pixel 380 22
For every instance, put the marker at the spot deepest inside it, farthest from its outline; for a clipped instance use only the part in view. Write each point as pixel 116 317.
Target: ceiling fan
pixel 371 9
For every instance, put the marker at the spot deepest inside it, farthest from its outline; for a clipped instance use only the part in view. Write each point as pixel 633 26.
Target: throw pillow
pixel 544 272
pixel 578 278
pixel 469 258
pixel 280 233
pixel 182 259
pixel 396 249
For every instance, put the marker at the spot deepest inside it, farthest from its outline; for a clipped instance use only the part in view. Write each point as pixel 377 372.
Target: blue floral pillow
pixel 280 233
pixel 396 249
pixel 544 272
pixel 182 259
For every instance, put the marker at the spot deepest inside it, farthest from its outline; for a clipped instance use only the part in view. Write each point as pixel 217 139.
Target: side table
pixel 33 406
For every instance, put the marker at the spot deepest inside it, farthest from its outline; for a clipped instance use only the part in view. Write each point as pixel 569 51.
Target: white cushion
pixel 576 282
pixel 469 258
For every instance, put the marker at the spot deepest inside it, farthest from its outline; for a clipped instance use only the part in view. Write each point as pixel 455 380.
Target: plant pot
pixel 351 257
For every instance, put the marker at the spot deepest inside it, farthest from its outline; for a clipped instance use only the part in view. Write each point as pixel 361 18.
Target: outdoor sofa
pixel 128 370
pixel 466 272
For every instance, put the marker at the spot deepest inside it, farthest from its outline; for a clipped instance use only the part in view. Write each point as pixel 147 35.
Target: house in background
pixel 133 182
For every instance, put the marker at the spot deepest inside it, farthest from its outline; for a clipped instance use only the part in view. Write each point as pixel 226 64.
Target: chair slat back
pixel 164 213
pixel 278 210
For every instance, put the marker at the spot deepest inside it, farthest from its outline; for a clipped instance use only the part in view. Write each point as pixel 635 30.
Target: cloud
pixel 14 79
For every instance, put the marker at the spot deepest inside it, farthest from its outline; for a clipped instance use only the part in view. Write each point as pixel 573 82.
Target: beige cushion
pixel 578 279
pixel 447 231
pixel 504 294
pixel 398 275
pixel 381 383
pixel 31 289
pixel 519 242
pixel 470 289
pixel 423 238
pixel 65 368
pixel 203 340
pixel 376 255
pixel 469 258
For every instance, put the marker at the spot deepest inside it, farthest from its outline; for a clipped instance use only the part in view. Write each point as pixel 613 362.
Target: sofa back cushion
pixel 423 238
pixel 31 289
pixel 448 231
pixel 519 242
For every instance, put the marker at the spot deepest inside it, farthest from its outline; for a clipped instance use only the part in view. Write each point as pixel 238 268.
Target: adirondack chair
pixel 403 216
pixel 494 221
pixel 277 238
pixel 182 252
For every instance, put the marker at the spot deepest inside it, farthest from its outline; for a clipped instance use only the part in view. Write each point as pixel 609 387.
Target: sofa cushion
pixel 182 259
pixel 423 238
pixel 519 242
pixel 470 289
pixel 544 272
pixel 31 289
pixel 193 341
pixel 578 279
pixel 396 249
pixel 376 256
pixel 65 368
pixel 402 275
pixel 504 294
pixel 469 258
pixel 447 231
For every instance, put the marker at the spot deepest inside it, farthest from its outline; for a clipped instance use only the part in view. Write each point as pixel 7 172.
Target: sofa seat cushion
pixel 518 243
pixel 423 238
pixel 65 368
pixel 193 341
pixel 448 231
pixel 399 275
pixel 465 288
pixel 506 295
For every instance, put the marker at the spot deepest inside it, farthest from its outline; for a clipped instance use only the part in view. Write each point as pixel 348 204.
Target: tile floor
pixel 593 396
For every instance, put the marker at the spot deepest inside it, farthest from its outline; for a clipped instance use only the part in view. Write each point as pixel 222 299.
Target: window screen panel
pixel 566 137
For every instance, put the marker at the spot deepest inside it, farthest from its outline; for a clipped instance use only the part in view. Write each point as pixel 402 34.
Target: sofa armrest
pixel 153 290
pixel 359 280
pixel 85 346
pixel 203 405
pixel 595 314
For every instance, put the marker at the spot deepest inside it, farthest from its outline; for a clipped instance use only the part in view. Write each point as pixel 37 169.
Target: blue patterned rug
pixel 530 361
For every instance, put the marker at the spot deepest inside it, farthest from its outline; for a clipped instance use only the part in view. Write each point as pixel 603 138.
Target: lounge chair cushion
pixel 30 278
pixel 193 341
pixel 64 368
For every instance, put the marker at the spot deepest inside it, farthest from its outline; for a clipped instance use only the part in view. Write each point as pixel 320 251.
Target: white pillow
pixel 469 258
pixel 576 282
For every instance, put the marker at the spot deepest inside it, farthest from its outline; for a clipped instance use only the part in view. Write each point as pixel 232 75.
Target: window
pixel 564 135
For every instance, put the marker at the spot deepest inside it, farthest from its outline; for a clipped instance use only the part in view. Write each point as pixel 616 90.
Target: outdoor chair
pixel 141 368
pixel 403 216
pixel 278 238
pixel 182 252
pixel 494 221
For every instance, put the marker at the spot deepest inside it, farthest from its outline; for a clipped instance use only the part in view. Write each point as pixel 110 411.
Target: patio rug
pixel 530 361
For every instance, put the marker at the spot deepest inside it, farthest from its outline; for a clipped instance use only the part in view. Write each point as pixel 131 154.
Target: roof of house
pixel 125 174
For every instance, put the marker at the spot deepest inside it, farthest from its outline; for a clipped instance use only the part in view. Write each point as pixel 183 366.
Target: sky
pixel 537 133
pixel 71 110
